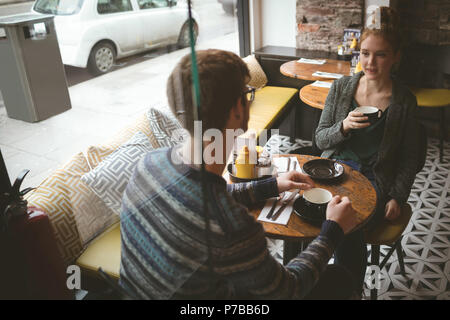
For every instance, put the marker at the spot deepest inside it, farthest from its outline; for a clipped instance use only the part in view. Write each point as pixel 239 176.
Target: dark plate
pixel 323 169
pixel 235 179
pixel 304 213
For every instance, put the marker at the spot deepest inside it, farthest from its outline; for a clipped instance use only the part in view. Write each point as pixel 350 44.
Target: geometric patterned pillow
pixel 258 78
pixel 96 154
pixel 165 129
pixel 91 213
pixel 53 197
pixel 110 178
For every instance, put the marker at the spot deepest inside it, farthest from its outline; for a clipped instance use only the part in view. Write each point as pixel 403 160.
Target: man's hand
pixel 392 210
pixel 294 180
pixel 340 210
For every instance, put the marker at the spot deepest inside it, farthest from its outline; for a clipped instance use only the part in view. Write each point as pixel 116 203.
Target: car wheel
pixel 184 39
pixel 101 58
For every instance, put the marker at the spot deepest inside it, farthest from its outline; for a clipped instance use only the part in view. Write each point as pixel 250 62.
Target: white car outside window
pixel 94 33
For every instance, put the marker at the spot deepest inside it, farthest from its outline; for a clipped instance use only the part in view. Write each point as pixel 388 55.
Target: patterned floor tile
pixel 426 240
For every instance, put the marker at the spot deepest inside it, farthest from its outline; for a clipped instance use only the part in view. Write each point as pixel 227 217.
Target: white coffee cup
pixel 373 113
pixel 317 195
pixel 316 200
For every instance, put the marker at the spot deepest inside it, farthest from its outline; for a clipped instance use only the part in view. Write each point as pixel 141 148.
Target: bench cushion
pixel 76 213
pixel 267 106
pixel 432 97
pixel 103 252
pixel 98 153
pixel 110 178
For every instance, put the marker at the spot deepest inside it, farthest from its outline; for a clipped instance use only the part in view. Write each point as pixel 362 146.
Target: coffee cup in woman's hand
pixel 355 120
pixel 372 113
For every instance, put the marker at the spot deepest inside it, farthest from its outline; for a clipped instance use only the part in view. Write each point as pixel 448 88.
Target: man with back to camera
pixel 172 250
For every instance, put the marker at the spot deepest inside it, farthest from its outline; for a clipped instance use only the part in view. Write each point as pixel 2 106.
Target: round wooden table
pixel 305 71
pixel 353 185
pixel 314 96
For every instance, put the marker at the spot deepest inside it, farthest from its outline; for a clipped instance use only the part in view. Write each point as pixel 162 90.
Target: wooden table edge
pixel 255 212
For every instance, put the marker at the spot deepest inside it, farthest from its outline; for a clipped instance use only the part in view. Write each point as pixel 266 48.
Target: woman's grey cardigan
pixel 399 154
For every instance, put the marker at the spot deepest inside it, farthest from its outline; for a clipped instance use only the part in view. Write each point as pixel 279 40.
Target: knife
pixel 277 214
pixel 288 200
pixel 269 215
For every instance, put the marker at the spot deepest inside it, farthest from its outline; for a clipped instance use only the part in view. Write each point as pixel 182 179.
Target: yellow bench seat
pixel 432 98
pixel 268 105
pixel 103 252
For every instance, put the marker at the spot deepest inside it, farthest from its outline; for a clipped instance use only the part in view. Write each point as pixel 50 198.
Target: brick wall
pixel 427 21
pixel 321 23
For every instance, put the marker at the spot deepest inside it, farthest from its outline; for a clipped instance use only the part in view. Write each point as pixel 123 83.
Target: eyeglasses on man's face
pixel 249 93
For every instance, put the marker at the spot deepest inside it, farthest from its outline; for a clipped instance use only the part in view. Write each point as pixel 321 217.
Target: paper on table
pixel 311 61
pixel 283 218
pixel 281 164
pixel 327 75
pixel 322 84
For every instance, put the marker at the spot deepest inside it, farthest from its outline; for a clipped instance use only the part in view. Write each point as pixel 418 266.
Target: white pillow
pixel 110 178
pixel 166 131
pixel 258 78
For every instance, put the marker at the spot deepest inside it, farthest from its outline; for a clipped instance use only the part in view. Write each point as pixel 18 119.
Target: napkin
pixel 311 61
pixel 282 162
pixel 327 75
pixel 322 84
pixel 283 218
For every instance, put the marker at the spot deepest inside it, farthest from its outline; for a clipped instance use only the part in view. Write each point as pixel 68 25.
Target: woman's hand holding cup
pixel 354 120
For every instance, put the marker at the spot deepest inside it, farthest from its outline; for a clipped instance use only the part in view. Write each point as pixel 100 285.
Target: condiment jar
pixel 244 169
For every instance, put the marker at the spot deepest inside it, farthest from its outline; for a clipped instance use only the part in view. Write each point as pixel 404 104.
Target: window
pixel 149 4
pixel 113 6
pixel 150 43
pixel 58 7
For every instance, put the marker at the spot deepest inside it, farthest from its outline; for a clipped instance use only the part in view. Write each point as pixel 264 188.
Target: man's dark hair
pixel 222 76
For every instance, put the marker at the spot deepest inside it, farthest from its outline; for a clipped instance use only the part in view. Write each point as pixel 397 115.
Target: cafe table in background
pixel 315 94
pixel 308 71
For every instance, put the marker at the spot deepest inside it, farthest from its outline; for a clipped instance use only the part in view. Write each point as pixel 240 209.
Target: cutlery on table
pixel 274 205
pixel 286 201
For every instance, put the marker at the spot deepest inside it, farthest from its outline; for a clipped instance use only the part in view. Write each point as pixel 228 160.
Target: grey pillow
pixel 165 128
pixel 110 178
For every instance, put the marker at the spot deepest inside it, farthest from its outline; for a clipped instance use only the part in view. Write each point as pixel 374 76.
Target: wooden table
pixel 353 185
pixel 314 96
pixel 305 71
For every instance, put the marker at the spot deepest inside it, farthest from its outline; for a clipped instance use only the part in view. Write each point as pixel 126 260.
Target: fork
pixel 274 205
pixel 286 201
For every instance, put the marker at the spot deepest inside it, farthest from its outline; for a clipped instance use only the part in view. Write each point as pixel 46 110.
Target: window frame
pixel 243 15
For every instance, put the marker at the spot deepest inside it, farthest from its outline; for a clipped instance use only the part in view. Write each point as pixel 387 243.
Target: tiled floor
pixel 426 240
